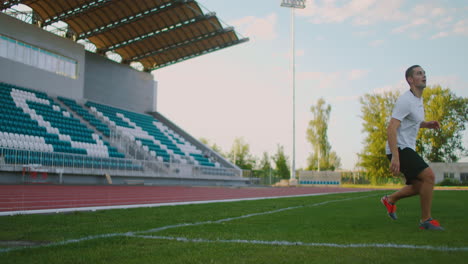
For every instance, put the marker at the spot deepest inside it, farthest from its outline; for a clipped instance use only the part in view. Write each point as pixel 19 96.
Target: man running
pixel 407 118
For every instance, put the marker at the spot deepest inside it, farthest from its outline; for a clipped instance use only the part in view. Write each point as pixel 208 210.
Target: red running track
pixel 40 197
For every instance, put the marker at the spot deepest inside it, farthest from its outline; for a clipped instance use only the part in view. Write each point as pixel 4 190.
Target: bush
pixel 450 182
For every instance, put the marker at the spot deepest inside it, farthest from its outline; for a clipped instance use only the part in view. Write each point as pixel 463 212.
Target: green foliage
pixel 281 163
pixel 376 111
pixel 450 182
pixel 264 168
pixel 322 158
pixel 445 144
pixel 240 154
pixel 213 146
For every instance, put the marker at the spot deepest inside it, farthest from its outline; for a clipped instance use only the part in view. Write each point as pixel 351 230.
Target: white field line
pixel 299 243
pixel 244 216
pixel 65 242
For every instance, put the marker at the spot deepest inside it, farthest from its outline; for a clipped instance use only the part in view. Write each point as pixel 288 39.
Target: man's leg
pixel 407 191
pixel 427 178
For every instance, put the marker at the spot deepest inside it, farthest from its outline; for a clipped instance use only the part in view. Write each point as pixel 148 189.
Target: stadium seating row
pixel 100 126
pixel 31 122
pixel 152 135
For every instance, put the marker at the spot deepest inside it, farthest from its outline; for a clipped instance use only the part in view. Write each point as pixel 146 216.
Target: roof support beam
pixel 76 11
pixel 7 4
pixel 161 31
pixel 128 20
pixel 232 43
pixel 183 44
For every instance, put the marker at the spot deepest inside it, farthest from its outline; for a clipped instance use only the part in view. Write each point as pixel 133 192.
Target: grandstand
pixel 79 100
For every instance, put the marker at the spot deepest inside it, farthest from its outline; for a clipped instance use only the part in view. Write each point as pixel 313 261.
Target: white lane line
pixel 299 243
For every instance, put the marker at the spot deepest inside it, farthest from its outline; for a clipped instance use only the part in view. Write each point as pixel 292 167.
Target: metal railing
pixel 18 159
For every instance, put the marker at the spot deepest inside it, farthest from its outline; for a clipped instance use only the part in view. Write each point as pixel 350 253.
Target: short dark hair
pixel 409 71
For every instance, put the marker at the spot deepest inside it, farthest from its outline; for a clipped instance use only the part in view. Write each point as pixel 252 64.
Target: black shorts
pixel 411 164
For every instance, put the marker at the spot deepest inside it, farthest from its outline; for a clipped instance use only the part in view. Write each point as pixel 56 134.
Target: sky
pixel 344 50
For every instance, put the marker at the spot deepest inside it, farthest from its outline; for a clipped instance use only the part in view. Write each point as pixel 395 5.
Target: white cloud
pixel 360 12
pixel 428 9
pixel 414 23
pixel 440 35
pixel 357 74
pixel 458 28
pixel 438 12
pixel 430 18
pixel 287 55
pixel 461 27
pixel 325 80
pixel 341 99
pixel 444 23
pixel 364 33
pixel 453 82
pixel 376 43
pixel 257 28
pixel 400 86
pixel 330 80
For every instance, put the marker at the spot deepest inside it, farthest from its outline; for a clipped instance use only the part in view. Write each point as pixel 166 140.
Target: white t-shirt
pixel 409 109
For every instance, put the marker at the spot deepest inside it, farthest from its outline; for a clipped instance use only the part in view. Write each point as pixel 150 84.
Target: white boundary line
pixel 129 206
pixel 244 216
pixel 299 243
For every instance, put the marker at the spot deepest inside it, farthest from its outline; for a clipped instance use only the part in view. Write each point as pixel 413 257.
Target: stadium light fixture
pixel 293 4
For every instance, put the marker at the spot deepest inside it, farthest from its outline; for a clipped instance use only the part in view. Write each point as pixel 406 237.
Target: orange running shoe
pixel 430 224
pixel 391 208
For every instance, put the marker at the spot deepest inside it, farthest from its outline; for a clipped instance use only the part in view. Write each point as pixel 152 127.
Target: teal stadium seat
pixel 32 127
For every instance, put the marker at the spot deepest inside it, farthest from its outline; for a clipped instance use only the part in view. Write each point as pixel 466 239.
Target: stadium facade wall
pixel 31 77
pixel 456 171
pixel 98 78
pixel 119 85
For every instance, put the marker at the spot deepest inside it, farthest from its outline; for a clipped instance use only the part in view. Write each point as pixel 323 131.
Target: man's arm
pixel 392 143
pixel 430 124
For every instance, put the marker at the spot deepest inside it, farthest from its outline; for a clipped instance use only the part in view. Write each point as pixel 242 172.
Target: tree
pixel 264 168
pixel 322 158
pixel 281 163
pixel 240 155
pixel 265 163
pixel 445 144
pixel 376 111
pixel 213 146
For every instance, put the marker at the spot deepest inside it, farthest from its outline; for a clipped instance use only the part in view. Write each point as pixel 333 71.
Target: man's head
pixel 416 76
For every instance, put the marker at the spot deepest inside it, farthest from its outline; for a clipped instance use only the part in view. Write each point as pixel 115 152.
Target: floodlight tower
pixel 293 4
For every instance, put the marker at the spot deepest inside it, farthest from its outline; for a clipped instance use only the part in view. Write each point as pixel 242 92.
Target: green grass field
pixel 338 228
